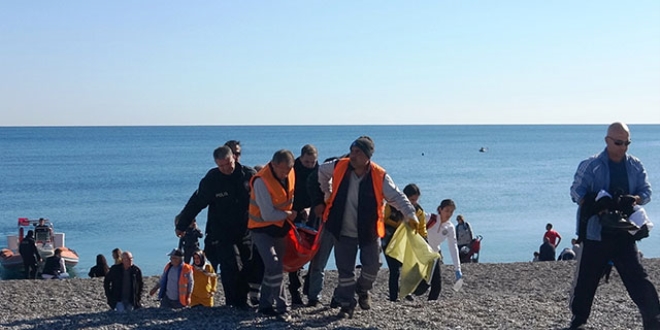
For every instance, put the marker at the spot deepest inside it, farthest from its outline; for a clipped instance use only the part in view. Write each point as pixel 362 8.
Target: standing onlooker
pixel 253 266
pixel 552 235
pixel 326 242
pixel 43 233
pixel 236 149
pixel 189 241
pixel 438 233
pixel 354 216
pixel 577 248
pixel 303 166
pixel 176 283
pixel 393 219
pixel 613 170
pixel 205 281
pixel 547 251
pixel 271 205
pixel 464 237
pixel 116 256
pixel 30 254
pixel 123 285
pixel 225 191
pixel 101 268
pixel 54 266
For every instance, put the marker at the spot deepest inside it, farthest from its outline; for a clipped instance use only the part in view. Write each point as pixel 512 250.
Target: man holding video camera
pixel 622 176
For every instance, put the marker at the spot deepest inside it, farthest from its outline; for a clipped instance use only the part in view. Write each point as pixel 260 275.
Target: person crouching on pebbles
pixel 206 281
pixel 124 295
pixel 354 215
pixel 176 283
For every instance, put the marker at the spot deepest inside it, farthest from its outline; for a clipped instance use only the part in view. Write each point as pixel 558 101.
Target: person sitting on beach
pixel 101 268
pixel 552 235
pixel 123 285
pixel 189 241
pixel 55 267
pixel 393 219
pixel 206 281
pixel 30 254
pixel 464 236
pixel 116 256
pixel 176 283
pixel 576 248
pixel 566 254
pixel 438 233
pixel 536 256
pixel 547 251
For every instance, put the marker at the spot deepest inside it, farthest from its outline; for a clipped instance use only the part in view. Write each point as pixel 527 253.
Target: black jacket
pixel 547 252
pixel 302 198
pixel 28 251
pixel 113 283
pixel 52 266
pixel 227 198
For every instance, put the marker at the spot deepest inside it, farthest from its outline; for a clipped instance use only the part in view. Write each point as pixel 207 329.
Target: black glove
pixel 604 204
pixel 641 233
pixel 626 204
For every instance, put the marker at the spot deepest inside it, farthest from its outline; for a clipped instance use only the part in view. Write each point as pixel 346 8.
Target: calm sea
pixel 108 187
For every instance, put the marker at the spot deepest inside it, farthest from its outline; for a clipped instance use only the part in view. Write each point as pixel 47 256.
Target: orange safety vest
pixel 282 199
pixel 186 273
pixel 377 177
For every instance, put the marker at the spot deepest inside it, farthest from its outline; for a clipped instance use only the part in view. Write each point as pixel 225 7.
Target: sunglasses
pixel 620 142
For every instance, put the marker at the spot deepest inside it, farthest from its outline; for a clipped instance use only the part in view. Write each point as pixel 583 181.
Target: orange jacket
pixel 282 199
pixel 377 174
pixel 185 282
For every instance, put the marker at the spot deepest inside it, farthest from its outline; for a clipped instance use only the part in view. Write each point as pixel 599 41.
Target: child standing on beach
pixel 393 219
pixel 189 242
pixel 438 233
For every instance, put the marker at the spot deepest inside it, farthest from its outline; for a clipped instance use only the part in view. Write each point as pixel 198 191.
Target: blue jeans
pixel 318 264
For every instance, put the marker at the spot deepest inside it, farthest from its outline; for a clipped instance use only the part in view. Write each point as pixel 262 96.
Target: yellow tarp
pixel 415 254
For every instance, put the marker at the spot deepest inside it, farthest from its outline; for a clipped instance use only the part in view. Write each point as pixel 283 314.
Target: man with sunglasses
pixel 619 173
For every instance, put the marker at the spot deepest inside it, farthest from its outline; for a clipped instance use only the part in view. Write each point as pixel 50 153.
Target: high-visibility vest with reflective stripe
pixel 282 199
pixel 377 177
pixel 184 279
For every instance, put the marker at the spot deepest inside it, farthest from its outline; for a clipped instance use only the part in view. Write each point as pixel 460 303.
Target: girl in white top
pixel 438 232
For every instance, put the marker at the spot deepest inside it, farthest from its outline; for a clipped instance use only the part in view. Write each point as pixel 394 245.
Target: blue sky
pixel 73 63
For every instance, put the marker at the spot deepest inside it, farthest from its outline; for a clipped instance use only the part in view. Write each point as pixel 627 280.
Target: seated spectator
pixel 176 282
pixel 123 285
pixel 547 251
pixel 566 254
pixel 101 268
pixel 55 267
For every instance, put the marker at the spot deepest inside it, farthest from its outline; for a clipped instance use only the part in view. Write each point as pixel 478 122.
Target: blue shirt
pixel 593 175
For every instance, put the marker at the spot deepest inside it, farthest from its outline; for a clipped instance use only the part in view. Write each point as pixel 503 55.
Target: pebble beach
pixel 522 295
